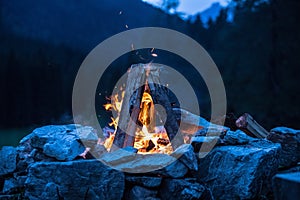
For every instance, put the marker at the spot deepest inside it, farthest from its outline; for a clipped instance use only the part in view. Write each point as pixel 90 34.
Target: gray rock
pixel 64 150
pixel 185 154
pixel 198 141
pixel 98 150
pixel 285 130
pixel 141 193
pixel 8 160
pixel 240 172
pixel 10 197
pixel 14 185
pixel 118 157
pixel 212 130
pixel 145 181
pixel 63 142
pixel 180 189
pixel 25 156
pixel 85 133
pixel 236 138
pixel 9 185
pixel 287 186
pixel 290 145
pixel 175 170
pixel 73 180
pixel 161 164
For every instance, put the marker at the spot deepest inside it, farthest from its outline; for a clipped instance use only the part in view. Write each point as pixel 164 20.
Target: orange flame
pixel 148 139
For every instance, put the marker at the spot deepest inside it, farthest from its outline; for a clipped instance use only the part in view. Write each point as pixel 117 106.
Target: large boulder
pixel 83 179
pixel 64 142
pixel 183 189
pixel 185 154
pixel 240 172
pixel 144 181
pixel 290 145
pixel 8 163
pixel 141 193
pixel 287 186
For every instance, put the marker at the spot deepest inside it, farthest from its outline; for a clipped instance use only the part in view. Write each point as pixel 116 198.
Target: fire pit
pixel 153 152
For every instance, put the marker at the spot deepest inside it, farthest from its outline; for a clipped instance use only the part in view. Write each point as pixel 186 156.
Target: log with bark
pixel 247 124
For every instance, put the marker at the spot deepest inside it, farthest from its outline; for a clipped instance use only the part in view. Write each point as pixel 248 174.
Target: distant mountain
pixel 212 12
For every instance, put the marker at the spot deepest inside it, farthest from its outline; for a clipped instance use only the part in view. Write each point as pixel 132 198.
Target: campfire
pixel 139 123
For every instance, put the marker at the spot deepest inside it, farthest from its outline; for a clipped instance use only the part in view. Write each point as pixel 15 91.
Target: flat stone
pixel 8 160
pixel 181 189
pixel 236 138
pixel 145 181
pixel 118 157
pixel 162 164
pixel 287 186
pixel 290 145
pixel 63 142
pixel 240 172
pixel 141 193
pixel 185 154
pixel 73 180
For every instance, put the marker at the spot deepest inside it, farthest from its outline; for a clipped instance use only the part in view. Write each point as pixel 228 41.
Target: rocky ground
pixel 47 165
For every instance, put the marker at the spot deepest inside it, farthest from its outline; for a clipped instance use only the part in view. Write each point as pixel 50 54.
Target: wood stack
pixel 143 78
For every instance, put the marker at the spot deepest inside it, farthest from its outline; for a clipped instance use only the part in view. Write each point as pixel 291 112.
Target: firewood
pixel 247 124
pixel 148 77
pixel 191 123
pixel 126 137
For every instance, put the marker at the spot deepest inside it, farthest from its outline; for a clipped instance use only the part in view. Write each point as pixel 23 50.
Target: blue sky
pixel 193 6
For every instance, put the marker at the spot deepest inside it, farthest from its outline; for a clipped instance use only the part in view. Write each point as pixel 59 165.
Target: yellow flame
pixel 148 139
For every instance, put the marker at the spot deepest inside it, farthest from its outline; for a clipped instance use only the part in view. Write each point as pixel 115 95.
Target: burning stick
pixel 247 124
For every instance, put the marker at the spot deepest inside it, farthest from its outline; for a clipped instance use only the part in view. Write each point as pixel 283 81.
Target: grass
pixel 11 137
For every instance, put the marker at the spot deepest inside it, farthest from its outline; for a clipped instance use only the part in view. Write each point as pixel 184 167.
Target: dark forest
pixel 43 44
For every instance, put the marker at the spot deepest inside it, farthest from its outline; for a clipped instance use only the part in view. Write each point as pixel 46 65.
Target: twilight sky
pixel 193 6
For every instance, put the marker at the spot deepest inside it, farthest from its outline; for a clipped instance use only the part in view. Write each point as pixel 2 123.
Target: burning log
pixel 126 137
pixel 142 92
pixel 247 124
